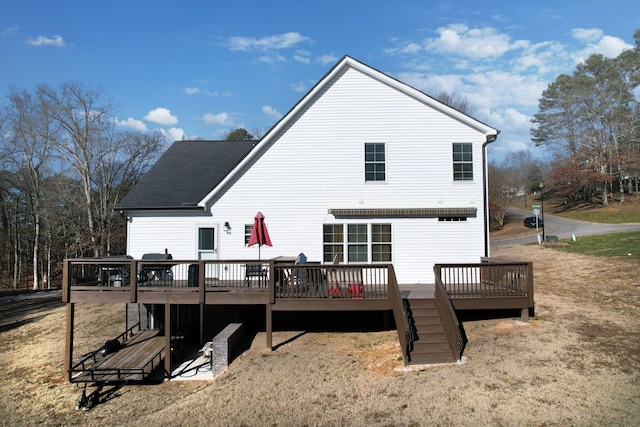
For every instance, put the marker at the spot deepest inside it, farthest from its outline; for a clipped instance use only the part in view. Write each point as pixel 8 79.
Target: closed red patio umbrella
pixel 259 233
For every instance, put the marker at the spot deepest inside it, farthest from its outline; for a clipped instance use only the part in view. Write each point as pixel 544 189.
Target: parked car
pixel 531 222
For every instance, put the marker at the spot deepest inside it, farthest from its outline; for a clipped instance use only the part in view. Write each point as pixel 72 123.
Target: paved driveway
pixel 562 227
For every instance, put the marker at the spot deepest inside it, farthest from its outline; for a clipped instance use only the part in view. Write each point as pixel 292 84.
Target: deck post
pixel 133 277
pixel 201 324
pixel 66 292
pixel 269 327
pixel 68 343
pixel 167 340
pixel 202 290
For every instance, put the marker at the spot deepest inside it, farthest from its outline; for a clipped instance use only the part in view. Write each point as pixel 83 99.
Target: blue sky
pixel 200 68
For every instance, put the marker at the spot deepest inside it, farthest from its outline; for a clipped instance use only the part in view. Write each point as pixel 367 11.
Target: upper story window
pixel 374 162
pixel 462 162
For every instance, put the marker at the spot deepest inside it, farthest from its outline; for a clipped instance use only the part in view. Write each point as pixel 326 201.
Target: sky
pixel 198 69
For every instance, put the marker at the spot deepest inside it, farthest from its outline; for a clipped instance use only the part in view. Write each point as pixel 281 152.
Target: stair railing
pixel 453 328
pixel 400 315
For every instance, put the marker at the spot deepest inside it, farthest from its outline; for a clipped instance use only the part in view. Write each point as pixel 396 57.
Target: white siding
pixel 153 233
pixel 317 163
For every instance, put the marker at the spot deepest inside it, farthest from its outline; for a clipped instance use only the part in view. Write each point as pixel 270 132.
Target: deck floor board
pixel 135 361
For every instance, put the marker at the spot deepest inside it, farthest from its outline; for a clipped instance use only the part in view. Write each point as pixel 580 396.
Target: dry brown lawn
pixel 577 362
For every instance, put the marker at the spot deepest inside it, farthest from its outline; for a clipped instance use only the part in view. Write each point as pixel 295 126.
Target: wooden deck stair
pixel 430 343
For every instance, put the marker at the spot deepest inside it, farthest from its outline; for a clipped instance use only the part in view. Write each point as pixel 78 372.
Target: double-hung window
pixel 247 233
pixel 462 162
pixel 381 242
pixel 333 242
pixel 374 162
pixel 357 243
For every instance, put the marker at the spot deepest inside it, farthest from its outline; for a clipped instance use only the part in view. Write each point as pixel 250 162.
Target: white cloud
pixel 508 118
pixel 302 59
pixel 9 32
pixel 597 42
pixel 176 134
pixel 268 43
pixel 298 87
pixel 132 124
pixel 589 35
pixel 191 90
pixel 217 119
pixel 459 39
pixel 411 48
pixel 543 58
pixel 56 41
pixel 271 112
pixel 161 116
pixel 272 59
pixel 325 60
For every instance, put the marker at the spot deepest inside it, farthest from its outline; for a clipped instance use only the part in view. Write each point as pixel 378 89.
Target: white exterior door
pixel 208 248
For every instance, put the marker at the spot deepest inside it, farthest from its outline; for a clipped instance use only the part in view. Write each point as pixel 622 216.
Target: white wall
pixel 318 164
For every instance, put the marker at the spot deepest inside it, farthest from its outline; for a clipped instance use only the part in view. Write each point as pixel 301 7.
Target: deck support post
pixel 269 327
pixel 167 340
pixel 201 324
pixel 68 343
pixel 524 315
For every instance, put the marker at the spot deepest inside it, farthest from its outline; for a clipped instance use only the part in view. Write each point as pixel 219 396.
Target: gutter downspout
pixel 485 191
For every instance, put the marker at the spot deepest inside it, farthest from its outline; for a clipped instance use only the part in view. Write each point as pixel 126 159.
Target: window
pixel 360 241
pixel 452 218
pixel 205 239
pixel 247 233
pixel 332 240
pixel 462 162
pixel 357 243
pixel 374 162
pixel 381 242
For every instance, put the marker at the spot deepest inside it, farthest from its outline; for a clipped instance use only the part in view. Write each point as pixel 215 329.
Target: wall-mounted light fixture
pixel 227 227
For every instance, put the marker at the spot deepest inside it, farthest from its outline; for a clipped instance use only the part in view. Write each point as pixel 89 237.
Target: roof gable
pixel 345 63
pixel 185 174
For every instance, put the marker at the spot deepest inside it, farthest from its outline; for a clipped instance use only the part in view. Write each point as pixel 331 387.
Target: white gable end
pixel 309 172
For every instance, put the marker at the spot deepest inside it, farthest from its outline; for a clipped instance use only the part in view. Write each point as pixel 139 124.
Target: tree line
pixel 588 123
pixel 64 166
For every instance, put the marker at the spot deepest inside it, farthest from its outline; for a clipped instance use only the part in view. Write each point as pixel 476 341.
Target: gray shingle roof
pixel 185 174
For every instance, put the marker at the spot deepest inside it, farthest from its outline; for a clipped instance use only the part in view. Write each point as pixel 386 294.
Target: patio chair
pixel 255 271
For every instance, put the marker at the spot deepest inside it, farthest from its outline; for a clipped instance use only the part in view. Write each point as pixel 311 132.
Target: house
pixel 363 169
pixel 381 188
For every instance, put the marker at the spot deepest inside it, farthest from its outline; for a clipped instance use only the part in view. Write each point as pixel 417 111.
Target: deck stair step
pixel 430 344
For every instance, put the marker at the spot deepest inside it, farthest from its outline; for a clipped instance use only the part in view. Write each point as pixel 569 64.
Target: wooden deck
pixel 133 362
pixel 417 290
pixel 285 286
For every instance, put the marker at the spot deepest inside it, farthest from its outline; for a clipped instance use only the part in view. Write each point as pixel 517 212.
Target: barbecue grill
pixel 152 272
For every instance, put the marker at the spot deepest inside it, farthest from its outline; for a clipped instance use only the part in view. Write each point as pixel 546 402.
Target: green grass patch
pixel 614 213
pixel 625 245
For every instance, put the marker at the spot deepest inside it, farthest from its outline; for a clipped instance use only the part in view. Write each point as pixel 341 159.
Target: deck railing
pixel 331 281
pixel 492 284
pixel 487 279
pixel 279 280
